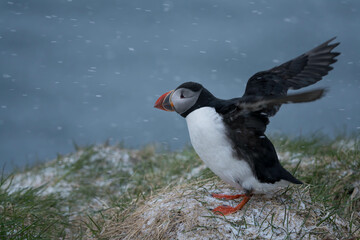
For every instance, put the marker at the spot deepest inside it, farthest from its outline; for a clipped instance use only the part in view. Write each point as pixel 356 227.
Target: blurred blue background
pixel 87 71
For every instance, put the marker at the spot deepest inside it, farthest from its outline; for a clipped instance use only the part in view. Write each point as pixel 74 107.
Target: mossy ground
pixel 76 196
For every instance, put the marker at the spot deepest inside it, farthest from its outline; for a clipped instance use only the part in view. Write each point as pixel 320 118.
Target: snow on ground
pixel 184 213
pixel 62 175
pixel 349 144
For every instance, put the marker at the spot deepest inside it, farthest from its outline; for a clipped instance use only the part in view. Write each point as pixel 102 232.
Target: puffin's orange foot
pixel 227 197
pixel 224 210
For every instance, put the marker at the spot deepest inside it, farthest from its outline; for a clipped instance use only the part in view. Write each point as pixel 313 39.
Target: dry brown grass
pixel 183 212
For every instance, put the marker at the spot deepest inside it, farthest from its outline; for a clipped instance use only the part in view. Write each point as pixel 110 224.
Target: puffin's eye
pixel 182 95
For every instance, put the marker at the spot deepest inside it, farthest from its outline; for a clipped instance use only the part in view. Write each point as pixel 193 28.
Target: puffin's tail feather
pixel 289 177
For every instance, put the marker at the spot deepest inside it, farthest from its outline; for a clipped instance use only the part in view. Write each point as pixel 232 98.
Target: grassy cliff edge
pixel 109 192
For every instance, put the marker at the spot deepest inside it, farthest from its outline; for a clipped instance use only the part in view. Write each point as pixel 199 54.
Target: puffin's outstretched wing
pixel 266 91
pixel 299 72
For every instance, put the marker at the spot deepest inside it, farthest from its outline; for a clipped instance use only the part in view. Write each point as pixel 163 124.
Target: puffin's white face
pixel 183 99
pixel 179 100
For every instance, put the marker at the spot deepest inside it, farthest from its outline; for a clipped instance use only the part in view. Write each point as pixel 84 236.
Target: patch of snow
pixel 350 144
pixel 195 171
pixel 262 218
pixel 53 175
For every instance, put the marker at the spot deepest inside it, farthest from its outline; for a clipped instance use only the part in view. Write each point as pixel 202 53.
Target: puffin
pixel 229 135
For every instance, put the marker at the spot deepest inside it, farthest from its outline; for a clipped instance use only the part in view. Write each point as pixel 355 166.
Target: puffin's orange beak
pixel 164 102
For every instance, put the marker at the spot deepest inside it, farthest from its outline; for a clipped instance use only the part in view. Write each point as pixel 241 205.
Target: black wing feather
pixel 299 72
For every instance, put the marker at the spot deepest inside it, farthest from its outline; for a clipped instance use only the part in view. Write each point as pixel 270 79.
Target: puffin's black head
pixel 185 98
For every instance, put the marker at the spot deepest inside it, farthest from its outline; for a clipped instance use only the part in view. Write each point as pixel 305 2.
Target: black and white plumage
pixel 229 135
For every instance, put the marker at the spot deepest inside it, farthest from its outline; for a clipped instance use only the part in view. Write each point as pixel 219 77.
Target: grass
pixel 98 185
pixel 87 183
pixel 24 214
pixel 331 169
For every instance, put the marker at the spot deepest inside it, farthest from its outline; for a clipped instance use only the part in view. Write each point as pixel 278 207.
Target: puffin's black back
pixel 247 137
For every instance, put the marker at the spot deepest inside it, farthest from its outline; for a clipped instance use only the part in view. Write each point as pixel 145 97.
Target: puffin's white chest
pixel 207 134
pixel 208 137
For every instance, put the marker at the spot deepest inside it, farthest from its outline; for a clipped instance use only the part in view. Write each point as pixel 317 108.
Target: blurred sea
pixel 88 71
